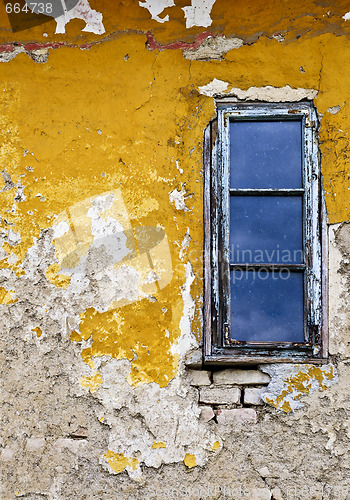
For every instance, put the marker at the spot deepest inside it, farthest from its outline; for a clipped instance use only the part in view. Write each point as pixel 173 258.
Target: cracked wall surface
pixel 101 239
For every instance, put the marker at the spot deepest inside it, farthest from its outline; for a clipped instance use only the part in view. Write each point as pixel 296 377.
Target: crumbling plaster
pixel 101 271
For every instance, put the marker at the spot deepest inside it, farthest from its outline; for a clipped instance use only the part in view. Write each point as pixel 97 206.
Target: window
pixel 265 248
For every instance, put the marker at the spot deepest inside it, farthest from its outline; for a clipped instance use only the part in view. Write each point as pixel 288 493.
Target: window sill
pixel 227 361
pixel 197 360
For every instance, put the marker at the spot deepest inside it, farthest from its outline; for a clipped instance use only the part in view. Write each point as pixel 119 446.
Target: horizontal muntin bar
pixel 269 266
pixel 264 192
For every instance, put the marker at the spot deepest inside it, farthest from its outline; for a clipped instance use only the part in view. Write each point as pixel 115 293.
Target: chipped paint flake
pixel 187 340
pixel 290 382
pixel 6 296
pixel 346 16
pixel 198 14
pixel 179 199
pixel 91 382
pixel 214 88
pixel 333 110
pixel 190 460
pixel 118 462
pixel 273 94
pixel 219 88
pixel 38 331
pixel 60 280
pixel 156 445
pixel 156 7
pixel 216 445
pixel 81 10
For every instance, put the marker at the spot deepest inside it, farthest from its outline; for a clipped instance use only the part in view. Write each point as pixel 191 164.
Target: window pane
pixel 265 154
pixel 266 229
pixel 267 306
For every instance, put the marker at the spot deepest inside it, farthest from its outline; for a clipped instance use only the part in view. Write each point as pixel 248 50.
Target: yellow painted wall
pixel 119 116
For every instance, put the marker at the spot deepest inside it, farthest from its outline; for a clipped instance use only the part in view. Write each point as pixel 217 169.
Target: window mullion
pixel 267 265
pixel 266 192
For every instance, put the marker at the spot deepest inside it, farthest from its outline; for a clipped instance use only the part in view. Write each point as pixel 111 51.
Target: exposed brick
pixel 207 413
pixel 194 359
pixel 242 415
pixel 252 396
pixel 244 377
pixel 199 377
pixel 220 395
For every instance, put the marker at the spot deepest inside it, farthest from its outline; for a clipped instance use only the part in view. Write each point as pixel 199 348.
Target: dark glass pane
pixel 266 229
pixel 265 154
pixel 267 306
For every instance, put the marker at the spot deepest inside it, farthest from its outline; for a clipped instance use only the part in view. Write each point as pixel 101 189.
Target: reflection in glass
pixel 266 229
pixel 267 306
pixel 265 154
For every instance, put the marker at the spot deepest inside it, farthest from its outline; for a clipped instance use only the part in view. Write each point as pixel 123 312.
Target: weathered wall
pixel 102 117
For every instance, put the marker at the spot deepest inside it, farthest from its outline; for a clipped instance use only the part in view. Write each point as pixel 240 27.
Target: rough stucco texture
pixel 102 119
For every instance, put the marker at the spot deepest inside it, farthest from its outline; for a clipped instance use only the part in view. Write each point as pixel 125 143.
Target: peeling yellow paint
pixel 301 383
pixel 118 462
pixel 216 445
pixel 6 296
pixel 158 444
pixel 92 382
pixel 87 357
pixel 190 460
pixel 75 336
pixel 60 280
pixel 38 331
pixel 68 156
pixel 286 407
pixel 119 336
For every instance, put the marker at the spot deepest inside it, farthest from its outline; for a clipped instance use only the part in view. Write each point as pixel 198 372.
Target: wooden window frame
pixel 218 349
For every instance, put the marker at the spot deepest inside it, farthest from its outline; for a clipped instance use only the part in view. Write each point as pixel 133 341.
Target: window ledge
pixel 258 360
